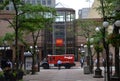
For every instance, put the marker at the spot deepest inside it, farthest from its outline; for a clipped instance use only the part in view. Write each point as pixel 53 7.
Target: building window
pixel 7 8
pixel 1 1
pixel 33 1
pixel 39 1
pixel 60 17
pixel 68 16
pixel 27 1
pixel 43 2
pixel 49 2
pixel 10 6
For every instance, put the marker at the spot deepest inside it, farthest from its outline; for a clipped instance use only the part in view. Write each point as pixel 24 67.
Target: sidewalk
pixel 53 74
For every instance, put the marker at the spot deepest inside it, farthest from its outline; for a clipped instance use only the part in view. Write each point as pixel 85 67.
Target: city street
pixel 74 74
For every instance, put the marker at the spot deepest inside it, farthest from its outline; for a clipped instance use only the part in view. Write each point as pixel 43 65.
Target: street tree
pixel 113 7
pixel 109 10
pixel 31 19
pixel 87 30
pixel 35 19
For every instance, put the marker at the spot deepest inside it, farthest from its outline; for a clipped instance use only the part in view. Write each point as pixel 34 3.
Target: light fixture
pixel 117 23
pixel 105 24
pixel 97 29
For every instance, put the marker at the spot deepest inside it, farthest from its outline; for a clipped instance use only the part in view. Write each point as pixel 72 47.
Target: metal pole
pixel 53 43
pixel 105 72
pixel 65 31
pixel 116 76
pixel 106 46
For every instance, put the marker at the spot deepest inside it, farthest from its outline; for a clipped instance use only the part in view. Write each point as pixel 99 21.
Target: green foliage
pixel 97 42
pixel 35 17
pixel 36 8
pixel 98 36
pixel 114 39
pixel 29 19
pixel 107 6
pixel 4 4
pixel 110 9
pixel 87 27
pixel 9 37
pixel 1 74
pixel 98 48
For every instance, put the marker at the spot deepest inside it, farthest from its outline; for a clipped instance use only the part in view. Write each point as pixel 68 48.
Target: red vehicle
pixel 67 61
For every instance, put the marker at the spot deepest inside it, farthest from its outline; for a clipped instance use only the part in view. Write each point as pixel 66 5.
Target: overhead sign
pixel 59 42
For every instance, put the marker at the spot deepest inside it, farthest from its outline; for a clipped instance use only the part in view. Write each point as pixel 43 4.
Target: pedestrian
pixel 9 64
pixel 59 62
pixel 81 62
pixel 1 69
pixel 104 63
pixel 95 62
pixel 44 60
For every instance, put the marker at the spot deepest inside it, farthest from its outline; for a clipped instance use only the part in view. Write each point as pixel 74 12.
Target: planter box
pixel 86 70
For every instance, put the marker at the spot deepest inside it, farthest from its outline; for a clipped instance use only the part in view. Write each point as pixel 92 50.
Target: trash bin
pixel 86 70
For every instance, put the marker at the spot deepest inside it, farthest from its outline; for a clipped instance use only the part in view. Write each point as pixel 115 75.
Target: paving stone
pixel 74 74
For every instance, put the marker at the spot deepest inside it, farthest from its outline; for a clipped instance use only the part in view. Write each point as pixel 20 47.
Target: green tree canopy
pixel 109 9
pixel 31 19
pixel 87 27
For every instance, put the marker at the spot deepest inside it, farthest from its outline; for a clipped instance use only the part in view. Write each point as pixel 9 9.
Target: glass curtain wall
pixel 64 29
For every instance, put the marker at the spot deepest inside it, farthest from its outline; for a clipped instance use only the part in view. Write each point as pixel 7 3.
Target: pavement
pixel 74 74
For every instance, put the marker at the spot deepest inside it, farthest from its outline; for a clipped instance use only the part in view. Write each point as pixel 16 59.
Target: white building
pixel 83 13
pixel 50 3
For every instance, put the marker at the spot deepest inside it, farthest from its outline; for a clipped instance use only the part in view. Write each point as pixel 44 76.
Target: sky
pixel 75 4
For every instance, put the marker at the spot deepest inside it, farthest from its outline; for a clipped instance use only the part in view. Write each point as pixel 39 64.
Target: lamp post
pixel 111 59
pixel 106 46
pixel 116 76
pixel 98 71
pixel 82 49
pixel 117 73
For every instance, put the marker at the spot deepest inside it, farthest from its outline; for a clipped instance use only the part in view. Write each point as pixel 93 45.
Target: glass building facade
pixel 63 30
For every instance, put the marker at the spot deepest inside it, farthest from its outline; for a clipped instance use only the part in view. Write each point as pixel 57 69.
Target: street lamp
pixel 98 71
pixel 111 59
pixel 82 49
pixel 116 76
pixel 106 46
